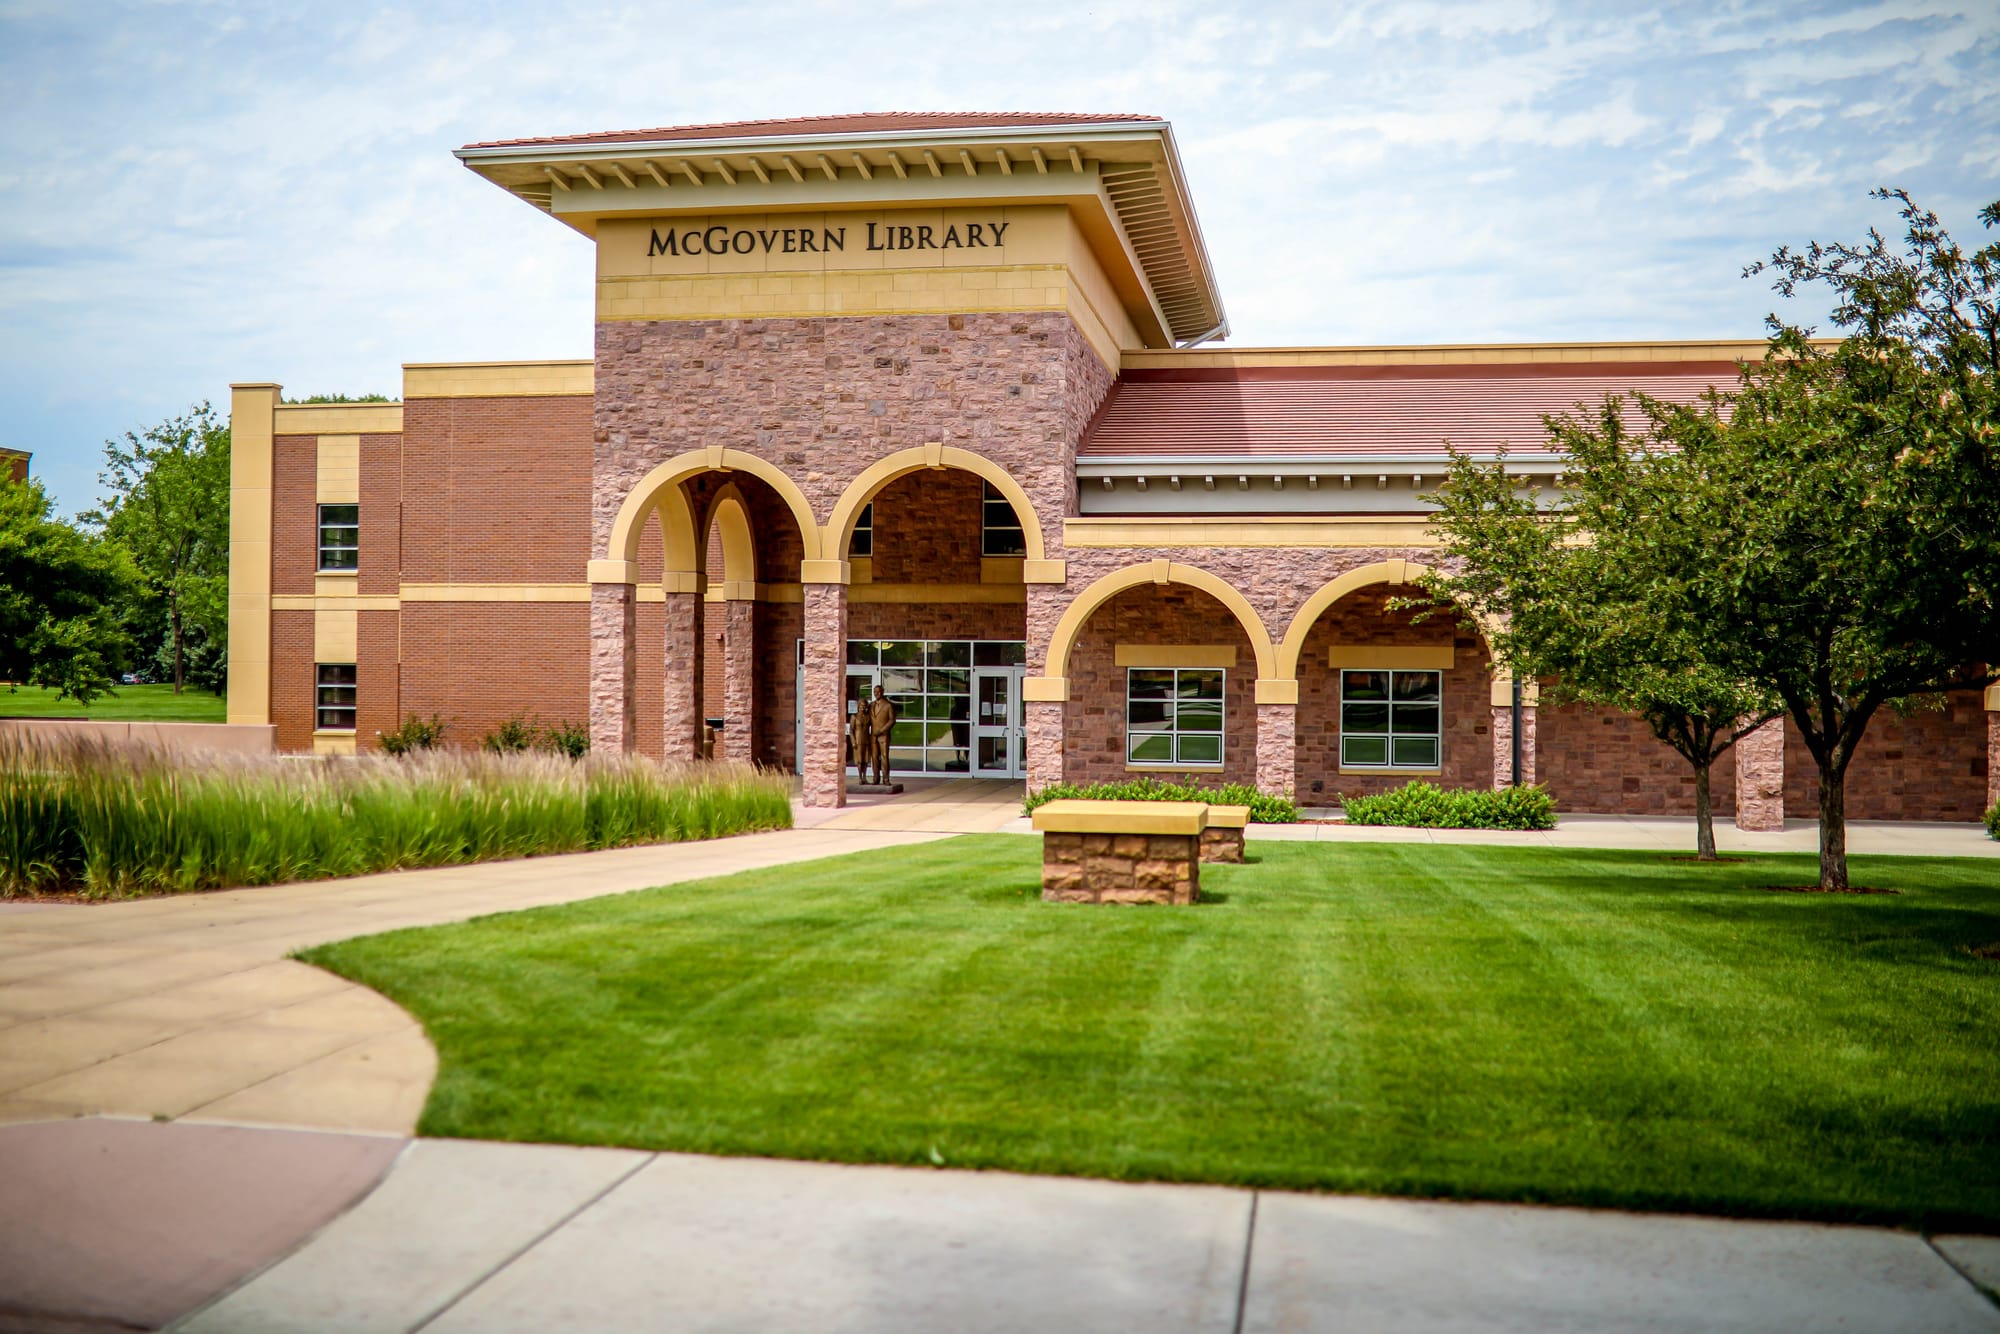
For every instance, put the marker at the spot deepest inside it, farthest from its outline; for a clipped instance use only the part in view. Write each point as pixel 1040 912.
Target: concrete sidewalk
pixel 503 1237
pixel 186 1006
pixel 1665 834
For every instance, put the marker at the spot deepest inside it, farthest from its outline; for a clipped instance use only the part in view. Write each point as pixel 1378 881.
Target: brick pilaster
pixel 1277 747
pixel 1760 777
pixel 613 669
pixel 681 716
pixel 824 781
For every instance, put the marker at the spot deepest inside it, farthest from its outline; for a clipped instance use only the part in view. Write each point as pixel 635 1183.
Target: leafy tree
pixel 59 593
pixel 170 510
pixel 1575 594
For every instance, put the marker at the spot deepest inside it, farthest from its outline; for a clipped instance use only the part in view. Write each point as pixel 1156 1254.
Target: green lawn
pixel 1504 1023
pixel 129 704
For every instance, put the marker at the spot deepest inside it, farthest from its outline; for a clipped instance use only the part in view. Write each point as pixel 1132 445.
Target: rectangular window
pixel 1000 527
pixel 334 697
pixel 1173 715
pixel 1391 720
pixel 863 541
pixel 339 537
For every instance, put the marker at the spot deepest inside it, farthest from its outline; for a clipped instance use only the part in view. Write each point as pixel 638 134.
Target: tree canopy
pixel 60 590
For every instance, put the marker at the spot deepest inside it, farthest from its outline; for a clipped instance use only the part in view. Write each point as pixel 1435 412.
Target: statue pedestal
pixel 875 789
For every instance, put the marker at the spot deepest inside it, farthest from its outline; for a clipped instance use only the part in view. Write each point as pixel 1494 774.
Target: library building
pixel 943 404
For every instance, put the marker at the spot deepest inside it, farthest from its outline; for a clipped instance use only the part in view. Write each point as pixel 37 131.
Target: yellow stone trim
pixel 1001 569
pixel 252 412
pixel 612 571
pixel 1453 354
pixel 1175 655
pixel 1385 771
pixel 1993 697
pixel 840 528
pixel 336 632
pixel 339 585
pixel 824 572
pixel 338 419
pixel 1277 691
pixel 861 569
pixel 337 469
pixel 335 602
pixel 1045 572
pixel 1159 572
pixel 498 379
pixel 1392 657
pixel 814 294
pixel 731 516
pixel 330 742
pixel 1045 689
pixel 1388 530
pixel 1503 692
pixel 1228 817
pixel 660 489
pixel 1122 817
pixel 1393 572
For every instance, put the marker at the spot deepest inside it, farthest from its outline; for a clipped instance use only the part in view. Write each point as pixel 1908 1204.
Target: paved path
pixel 502 1237
pixel 186 1006
pixel 1670 834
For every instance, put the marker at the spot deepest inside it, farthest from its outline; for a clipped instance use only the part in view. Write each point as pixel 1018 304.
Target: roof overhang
pixel 1121 181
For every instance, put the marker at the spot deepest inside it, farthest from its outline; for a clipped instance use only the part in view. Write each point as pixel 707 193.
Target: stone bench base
pixel 1121 851
pixel 1222 840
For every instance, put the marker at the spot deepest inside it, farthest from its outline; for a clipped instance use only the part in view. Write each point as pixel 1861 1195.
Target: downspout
pixel 1515 777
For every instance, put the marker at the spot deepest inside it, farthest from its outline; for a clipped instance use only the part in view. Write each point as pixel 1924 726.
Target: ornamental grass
pixel 110 822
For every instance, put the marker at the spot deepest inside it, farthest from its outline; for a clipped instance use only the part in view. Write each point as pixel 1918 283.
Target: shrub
pixel 515 735
pixel 1427 806
pixel 414 734
pixel 110 821
pixel 1265 807
pixel 567 739
pixel 1993 820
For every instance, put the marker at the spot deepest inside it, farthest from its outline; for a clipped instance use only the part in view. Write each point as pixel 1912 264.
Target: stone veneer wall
pixel 1604 762
pixel 1094 746
pixel 1364 618
pixel 1929 765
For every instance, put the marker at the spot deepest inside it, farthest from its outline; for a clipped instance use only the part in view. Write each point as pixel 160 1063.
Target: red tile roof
pixel 864 122
pixel 1366 411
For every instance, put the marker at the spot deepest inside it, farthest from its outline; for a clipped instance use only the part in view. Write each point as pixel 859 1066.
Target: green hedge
pixel 1424 805
pixel 1265 807
pixel 1993 821
pixel 111 822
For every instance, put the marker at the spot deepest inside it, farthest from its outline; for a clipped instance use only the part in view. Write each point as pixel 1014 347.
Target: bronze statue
pixel 858 740
pixel 881 718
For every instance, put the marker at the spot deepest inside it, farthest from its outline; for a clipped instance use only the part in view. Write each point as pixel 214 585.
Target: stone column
pixel 681 716
pixel 1277 736
pixel 1044 724
pixel 1760 777
pixel 739 680
pixel 1503 744
pixel 613 669
pixel 1044 697
pixel 1992 756
pixel 825 778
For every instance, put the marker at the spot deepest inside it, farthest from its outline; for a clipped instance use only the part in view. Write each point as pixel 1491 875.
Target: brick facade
pixel 1610 763
pixel 1927 765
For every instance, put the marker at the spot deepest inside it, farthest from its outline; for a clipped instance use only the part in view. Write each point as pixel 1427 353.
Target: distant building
pixel 15 461
pixel 932 402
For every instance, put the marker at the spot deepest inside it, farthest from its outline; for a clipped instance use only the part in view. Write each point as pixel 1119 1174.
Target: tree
pixel 1574 594
pixel 170 509
pixel 59 593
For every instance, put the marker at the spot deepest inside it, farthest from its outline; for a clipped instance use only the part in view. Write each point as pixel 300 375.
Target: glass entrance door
pixel 998 737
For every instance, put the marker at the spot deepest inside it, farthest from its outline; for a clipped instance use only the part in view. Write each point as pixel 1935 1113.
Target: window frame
pixel 1017 545
pixel 1173 728
pixel 322 706
pixel 324 546
pixel 861 542
pixel 1391 733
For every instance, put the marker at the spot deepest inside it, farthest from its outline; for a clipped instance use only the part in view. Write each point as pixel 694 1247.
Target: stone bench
pixel 1121 851
pixel 1222 840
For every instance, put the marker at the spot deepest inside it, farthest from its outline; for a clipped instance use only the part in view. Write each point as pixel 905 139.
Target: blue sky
pixel 207 192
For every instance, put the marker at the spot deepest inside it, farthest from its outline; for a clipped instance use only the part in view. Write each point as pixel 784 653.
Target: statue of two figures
pixel 868 729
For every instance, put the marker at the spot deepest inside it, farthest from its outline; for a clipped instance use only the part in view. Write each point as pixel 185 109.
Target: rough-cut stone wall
pixel 780 625
pixel 1610 763
pixel 1364 618
pixel 1094 749
pixel 824 772
pixel 1760 778
pixel 1928 765
pixel 933 620
pixel 1121 868
pixel 1503 745
pixel 927 529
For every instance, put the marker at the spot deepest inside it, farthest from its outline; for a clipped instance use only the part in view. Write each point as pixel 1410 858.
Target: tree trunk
pixel 1833 827
pixel 174 613
pixel 1704 816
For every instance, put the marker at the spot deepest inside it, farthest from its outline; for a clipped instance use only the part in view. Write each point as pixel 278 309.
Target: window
pixel 339 537
pixel 334 698
pixel 1390 719
pixel 1000 531
pixel 1173 715
pixel 863 543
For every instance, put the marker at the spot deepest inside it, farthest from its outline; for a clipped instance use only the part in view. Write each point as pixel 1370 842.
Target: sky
pixel 202 193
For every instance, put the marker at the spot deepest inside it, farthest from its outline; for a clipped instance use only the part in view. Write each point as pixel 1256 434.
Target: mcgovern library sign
pixel 722 239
